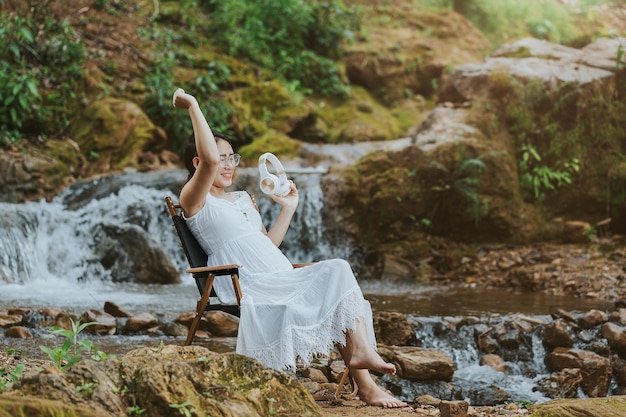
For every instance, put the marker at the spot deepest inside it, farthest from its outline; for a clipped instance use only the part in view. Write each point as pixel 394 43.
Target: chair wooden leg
pixel 341 383
pixel 200 306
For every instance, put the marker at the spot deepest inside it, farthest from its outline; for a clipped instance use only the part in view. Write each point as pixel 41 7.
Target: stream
pixel 46 260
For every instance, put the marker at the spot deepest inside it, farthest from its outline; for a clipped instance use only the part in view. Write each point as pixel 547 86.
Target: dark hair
pixel 191 151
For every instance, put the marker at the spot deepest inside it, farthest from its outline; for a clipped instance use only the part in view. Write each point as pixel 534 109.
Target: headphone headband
pixel 273 184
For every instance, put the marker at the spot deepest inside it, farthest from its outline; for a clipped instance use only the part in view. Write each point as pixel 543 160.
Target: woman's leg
pixel 359 354
pixel 360 357
pixel 371 393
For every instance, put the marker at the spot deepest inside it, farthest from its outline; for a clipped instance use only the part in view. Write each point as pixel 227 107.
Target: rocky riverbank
pixel 583 349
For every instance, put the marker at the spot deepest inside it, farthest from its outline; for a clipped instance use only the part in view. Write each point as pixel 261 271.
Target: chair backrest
pixel 196 256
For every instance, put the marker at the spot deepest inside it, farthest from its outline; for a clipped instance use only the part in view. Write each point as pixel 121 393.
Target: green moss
pixel 275 142
pixel 521 52
pixel 359 118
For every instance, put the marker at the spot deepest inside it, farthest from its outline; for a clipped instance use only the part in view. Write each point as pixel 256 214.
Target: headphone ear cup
pixel 269 184
pixel 283 187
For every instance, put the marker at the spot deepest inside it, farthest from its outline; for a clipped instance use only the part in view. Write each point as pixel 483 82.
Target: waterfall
pixel 458 341
pixel 53 241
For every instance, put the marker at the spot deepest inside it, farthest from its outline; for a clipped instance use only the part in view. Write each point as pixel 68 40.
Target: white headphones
pixel 273 184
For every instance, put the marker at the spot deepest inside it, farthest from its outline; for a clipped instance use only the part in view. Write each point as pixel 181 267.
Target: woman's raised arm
pixel 193 194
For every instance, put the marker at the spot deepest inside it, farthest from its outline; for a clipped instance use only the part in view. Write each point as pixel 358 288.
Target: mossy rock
pixel 360 118
pixel 18 406
pixel 614 406
pixel 272 141
pixel 404 50
pixel 112 133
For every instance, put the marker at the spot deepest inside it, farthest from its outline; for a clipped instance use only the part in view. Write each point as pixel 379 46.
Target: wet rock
pixel 393 329
pixel 8 320
pixel 485 341
pixel 595 369
pixel 174 329
pixel 19 311
pixel 453 408
pixel 418 364
pixel 619 370
pixel 115 310
pixel 220 323
pixel 561 384
pixel 509 338
pixel 557 334
pixel 129 254
pixel 140 322
pixel 495 362
pixel 18 332
pixel 592 319
pixel 315 375
pixel 489 395
pixel 104 323
pixel 615 335
pixel 618 316
pixel 566 316
pixel 427 400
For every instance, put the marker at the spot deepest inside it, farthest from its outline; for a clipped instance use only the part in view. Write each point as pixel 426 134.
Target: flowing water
pixel 47 260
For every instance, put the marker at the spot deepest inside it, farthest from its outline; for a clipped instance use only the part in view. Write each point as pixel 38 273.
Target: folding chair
pixel 205 275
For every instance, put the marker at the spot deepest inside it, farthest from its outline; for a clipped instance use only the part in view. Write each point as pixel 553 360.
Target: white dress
pixel 287 314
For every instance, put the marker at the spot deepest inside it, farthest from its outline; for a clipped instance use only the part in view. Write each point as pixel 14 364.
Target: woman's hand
pixel 182 100
pixel 290 200
pixel 288 204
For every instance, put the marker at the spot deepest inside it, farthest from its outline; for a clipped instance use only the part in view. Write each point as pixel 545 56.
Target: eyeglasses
pixel 233 158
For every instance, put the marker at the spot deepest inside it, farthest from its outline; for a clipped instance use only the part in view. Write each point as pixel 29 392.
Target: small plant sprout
pixel 186 408
pixel 70 352
pixel 8 377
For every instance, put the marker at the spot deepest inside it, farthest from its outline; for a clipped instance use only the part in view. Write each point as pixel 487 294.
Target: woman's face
pixel 226 168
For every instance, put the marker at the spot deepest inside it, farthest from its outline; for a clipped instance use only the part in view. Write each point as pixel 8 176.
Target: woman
pixel 286 313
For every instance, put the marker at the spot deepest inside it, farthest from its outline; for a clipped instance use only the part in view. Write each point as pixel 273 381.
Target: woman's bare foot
pixel 379 398
pixel 368 359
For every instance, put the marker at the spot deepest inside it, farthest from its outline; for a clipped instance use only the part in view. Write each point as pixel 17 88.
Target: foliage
pixel 136 411
pixel 9 377
pixel 454 189
pixel 70 352
pixel 87 388
pixel 296 40
pixel 186 408
pixel 505 20
pixel 160 84
pixel 554 128
pixel 35 48
pixel 537 179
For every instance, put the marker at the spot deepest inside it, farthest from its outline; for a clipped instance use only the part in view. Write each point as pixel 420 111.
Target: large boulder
pixel 614 406
pixel 395 60
pixel 592 69
pixel 114 134
pixel 164 381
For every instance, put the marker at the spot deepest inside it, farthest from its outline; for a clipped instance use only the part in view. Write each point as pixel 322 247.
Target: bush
pixel 34 48
pixel 294 39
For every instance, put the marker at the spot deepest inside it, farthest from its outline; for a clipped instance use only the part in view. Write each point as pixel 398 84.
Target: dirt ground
pixel 357 408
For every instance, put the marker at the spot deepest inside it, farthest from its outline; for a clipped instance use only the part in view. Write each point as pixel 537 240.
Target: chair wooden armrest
pixel 220 268
pixel 300 265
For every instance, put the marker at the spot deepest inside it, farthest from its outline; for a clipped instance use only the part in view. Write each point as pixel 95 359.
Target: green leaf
pixel 32 87
pixel 26 34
